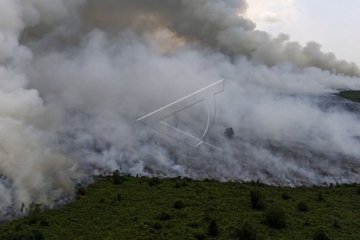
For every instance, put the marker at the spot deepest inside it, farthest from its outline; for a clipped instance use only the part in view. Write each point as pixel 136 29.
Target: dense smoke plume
pixel 75 75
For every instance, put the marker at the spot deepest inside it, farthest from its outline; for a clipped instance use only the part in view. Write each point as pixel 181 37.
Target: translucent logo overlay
pixel 156 119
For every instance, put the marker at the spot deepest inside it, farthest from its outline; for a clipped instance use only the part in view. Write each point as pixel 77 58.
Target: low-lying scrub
pixel 177 209
pixel 302 207
pixel 275 217
pixel 257 200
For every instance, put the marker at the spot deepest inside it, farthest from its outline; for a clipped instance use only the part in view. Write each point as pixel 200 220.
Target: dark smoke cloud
pixel 218 24
pixel 74 76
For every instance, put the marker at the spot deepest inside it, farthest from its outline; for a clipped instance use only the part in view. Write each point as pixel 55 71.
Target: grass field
pixel 351 95
pixel 141 208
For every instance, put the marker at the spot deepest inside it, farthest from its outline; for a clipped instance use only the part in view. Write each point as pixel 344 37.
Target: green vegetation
pixel 302 207
pixel 275 217
pixel 213 229
pixel 248 232
pixel 121 207
pixel 257 200
pixel 351 95
pixel 321 235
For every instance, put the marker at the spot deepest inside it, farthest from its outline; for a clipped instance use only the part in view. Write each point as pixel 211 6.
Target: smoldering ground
pixel 75 75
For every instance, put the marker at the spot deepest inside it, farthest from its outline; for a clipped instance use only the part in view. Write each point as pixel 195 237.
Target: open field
pixel 142 208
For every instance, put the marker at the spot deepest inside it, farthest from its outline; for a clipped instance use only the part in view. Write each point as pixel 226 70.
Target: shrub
pixel 34 213
pixel 275 218
pixel 179 204
pixel 213 229
pixel 44 223
pixel 257 200
pixel 307 223
pixel 116 178
pixel 336 224
pixel 81 191
pixel 19 227
pixel 199 235
pixel 180 184
pixel 177 185
pixel 193 225
pixel 154 181
pixel 28 235
pixel 260 205
pixel 247 232
pixel 229 133
pixel 164 216
pixel 117 198
pixel 286 196
pixel 320 197
pixel 302 207
pixel 157 226
pixel 34 209
pixel 320 235
pixel 358 190
pixel 36 235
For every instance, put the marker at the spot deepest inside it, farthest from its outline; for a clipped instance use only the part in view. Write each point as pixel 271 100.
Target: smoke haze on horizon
pixel 332 23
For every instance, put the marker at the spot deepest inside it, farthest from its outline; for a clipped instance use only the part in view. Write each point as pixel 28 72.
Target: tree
pixel 213 229
pixel 229 133
pixel 257 200
pixel 275 218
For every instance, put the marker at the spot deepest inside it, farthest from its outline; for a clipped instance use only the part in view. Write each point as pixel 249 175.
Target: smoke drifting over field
pixel 74 76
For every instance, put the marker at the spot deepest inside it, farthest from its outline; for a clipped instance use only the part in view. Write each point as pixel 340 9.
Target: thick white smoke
pixel 32 167
pixel 75 75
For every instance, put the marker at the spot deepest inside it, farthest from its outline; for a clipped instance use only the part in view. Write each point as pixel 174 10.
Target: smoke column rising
pixel 74 76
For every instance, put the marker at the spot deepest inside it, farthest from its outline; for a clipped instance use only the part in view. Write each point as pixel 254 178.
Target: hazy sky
pixel 332 23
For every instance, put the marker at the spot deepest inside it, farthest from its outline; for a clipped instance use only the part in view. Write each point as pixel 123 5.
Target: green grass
pixel 141 208
pixel 351 95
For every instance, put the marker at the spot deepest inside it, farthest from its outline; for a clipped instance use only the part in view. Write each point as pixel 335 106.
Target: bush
pixel 199 236
pixel 286 196
pixel 229 133
pixel 157 226
pixel 116 178
pixel 320 197
pixel 257 200
pixel 18 227
pixel 358 190
pixel 81 191
pixel 164 216
pixel 32 235
pixel 336 224
pixel 193 225
pixel 213 229
pixel 302 207
pixel 36 235
pixel 260 205
pixel 180 184
pixel 247 232
pixel 44 223
pixel 34 213
pixel 275 218
pixel 154 181
pixel 320 235
pixel 179 204
pixel 117 198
